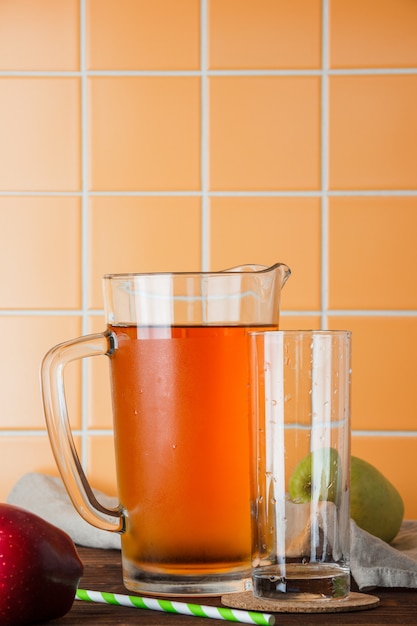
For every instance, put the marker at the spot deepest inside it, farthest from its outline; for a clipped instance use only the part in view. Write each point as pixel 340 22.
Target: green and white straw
pixel 183 608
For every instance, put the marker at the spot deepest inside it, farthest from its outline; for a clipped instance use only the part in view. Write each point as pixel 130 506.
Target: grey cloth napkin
pixel 47 497
pixel 374 563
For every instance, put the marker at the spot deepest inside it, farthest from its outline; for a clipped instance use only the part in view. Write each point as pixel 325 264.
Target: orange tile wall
pixel 195 135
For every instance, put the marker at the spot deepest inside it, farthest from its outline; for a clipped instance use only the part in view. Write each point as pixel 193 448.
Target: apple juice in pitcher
pixel 181 394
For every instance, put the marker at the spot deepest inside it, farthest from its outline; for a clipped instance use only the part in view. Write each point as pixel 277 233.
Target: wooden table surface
pixel 102 572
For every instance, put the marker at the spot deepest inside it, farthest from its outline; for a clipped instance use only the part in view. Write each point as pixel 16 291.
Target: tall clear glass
pixel 300 382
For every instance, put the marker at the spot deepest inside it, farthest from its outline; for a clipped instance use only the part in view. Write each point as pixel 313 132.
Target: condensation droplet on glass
pixel 276 579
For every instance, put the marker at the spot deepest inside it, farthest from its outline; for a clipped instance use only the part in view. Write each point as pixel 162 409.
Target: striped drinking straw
pixel 183 608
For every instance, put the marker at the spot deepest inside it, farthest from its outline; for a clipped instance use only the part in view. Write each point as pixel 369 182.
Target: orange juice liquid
pixel 180 397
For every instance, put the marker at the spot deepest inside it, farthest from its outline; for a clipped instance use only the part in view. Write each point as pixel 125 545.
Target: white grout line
pixel 84 167
pixel 290 193
pixel 354 71
pixel 204 142
pixel 372 313
pixel 84 229
pixel 352 313
pixel 98 432
pixel 384 433
pixel 324 120
pixel 50 312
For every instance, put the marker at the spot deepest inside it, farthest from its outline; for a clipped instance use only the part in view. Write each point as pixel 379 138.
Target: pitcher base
pixel 159 584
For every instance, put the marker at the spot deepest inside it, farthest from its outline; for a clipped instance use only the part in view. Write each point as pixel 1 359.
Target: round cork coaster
pixel 353 602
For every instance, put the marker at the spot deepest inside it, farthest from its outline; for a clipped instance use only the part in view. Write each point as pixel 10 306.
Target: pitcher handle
pixel 59 429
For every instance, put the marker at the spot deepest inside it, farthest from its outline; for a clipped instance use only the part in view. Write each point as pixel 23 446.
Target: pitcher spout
pixel 280 270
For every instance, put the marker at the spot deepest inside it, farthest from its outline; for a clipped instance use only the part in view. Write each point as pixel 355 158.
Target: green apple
pixel 317 473
pixel 375 504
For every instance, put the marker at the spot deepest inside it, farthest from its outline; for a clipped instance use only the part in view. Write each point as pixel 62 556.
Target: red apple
pixel 39 568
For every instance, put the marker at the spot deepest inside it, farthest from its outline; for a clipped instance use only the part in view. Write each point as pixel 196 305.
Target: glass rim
pixel 250 268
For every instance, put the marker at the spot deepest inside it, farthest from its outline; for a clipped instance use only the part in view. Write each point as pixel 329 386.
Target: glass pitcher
pixel 177 345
